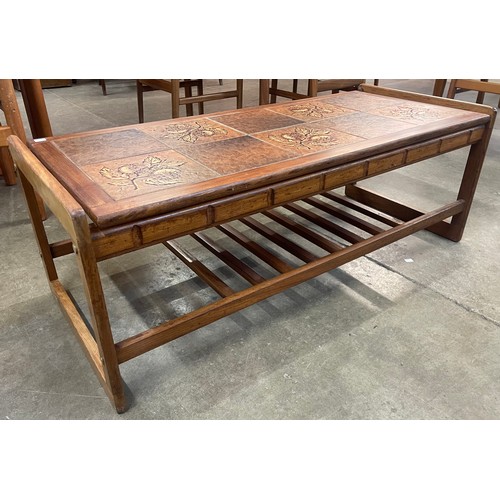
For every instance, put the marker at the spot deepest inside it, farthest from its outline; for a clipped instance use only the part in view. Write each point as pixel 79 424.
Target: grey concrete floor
pixel 411 331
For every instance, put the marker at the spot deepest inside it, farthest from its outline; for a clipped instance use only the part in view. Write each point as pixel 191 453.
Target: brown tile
pixel 311 110
pixel 236 155
pixel 92 148
pixel 365 125
pixel 307 138
pixel 189 131
pixel 415 112
pixel 146 173
pixel 257 120
pixel 360 101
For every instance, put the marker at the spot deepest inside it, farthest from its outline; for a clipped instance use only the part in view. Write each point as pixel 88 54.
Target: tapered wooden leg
pixel 37 216
pixel 89 273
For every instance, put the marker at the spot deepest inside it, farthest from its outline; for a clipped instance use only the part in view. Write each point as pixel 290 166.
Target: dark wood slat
pixel 259 251
pixel 324 223
pixel 228 258
pixel 359 207
pixel 312 236
pixel 60 248
pixel 291 247
pixel 146 341
pixel 200 269
pixel 346 217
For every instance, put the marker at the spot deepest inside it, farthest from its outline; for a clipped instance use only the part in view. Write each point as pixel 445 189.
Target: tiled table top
pixel 157 167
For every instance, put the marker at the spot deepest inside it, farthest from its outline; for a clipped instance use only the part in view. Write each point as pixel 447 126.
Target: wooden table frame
pixel 91 244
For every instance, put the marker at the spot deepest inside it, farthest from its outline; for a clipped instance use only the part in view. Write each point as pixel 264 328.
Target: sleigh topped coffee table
pixel 122 189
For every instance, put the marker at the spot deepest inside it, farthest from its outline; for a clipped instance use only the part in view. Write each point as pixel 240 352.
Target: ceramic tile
pixel 256 120
pixel 365 125
pixel 106 146
pixel 226 157
pixel 146 173
pixel 189 131
pixel 307 138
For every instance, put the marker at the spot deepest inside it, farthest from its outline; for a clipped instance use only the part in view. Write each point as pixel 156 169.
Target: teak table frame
pixel 352 225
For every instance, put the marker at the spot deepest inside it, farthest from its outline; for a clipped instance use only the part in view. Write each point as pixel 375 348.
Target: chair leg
pixel 239 97
pixel 312 88
pixel 274 86
pixel 201 105
pixel 7 167
pixel 102 83
pixel 140 101
pixel 188 93
pixel 175 98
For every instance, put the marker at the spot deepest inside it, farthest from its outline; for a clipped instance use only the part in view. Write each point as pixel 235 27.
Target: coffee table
pixel 263 179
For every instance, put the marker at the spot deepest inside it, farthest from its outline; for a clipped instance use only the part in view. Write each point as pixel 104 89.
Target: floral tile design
pixel 311 110
pixel 190 131
pixel 417 112
pixel 146 173
pixel 307 138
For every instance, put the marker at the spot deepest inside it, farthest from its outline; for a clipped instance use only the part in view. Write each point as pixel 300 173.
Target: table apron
pixel 132 236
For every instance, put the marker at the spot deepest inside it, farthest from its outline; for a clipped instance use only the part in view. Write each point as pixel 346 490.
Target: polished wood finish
pixel 173 87
pixel 262 179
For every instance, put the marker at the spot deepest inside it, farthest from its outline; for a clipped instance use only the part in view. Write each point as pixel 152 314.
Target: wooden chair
pixel 313 88
pixel 482 87
pixel 174 88
pixel 14 126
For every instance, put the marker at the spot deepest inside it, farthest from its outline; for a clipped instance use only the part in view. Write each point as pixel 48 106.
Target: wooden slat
pixel 200 269
pixel 233 262
pixel 258 250
pixel 310 235
pixel 392 207
pixel 324 223
pixel 145 341
pixel 291 247
pixel 346 217
pixel 370 212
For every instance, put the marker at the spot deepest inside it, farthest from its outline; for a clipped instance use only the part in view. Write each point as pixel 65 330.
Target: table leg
pixel 98 345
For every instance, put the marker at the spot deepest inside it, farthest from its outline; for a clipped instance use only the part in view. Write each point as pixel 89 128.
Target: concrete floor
pixel 412 331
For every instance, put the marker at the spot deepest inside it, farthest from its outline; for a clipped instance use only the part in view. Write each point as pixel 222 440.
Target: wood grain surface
pixel 127 174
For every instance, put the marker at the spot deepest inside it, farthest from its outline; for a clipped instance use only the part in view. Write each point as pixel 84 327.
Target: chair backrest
pixel 480 86
pixel 10 109
pixel 13 126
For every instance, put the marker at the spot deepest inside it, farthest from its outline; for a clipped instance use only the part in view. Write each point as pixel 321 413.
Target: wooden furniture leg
pixel 451 230
pixel 439 86
pixel 34 102
pixel 98 345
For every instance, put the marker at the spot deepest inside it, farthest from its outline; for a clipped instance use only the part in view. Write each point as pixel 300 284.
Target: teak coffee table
pixel 121 189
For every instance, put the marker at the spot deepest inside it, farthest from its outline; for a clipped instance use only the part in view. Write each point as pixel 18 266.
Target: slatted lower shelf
pixel 294 243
